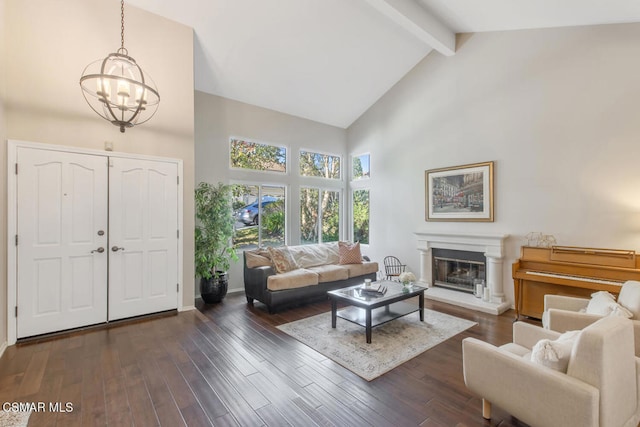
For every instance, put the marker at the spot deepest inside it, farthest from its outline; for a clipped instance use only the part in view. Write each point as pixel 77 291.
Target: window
pixel 361 216
pixel 360 167
pixel 319 165
pixel 319 215
pixel 260 216
pixel 258 157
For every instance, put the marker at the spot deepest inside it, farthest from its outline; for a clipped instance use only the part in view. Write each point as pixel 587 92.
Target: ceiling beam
pixel 415 19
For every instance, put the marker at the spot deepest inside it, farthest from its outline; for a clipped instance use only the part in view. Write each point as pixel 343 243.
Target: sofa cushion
pixel 330 272
pixel 257 258
pixel 366 267
pixel 316 254
pixel 298 278
pixel 282 259
pixel 350 253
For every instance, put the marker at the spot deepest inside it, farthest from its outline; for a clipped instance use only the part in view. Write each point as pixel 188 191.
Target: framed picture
pixel 460 193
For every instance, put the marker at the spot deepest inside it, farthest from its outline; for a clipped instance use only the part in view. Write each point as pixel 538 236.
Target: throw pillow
pixel 349 253
pixel 258 258
pixel 618 310
pixel 282 259
pixel 601 303
pixel 555 354
pixel 629 297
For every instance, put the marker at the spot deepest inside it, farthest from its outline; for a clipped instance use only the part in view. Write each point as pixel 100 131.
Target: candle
pixel 106 88
pixel 141 95
pixel 123 88
pixel 487 294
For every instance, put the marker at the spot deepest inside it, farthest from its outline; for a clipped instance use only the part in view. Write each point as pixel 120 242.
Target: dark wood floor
pixel 228 365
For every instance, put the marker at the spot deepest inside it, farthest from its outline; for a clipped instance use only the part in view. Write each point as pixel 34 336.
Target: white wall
pixel 50 44
pixel 217 119
pixel 556 109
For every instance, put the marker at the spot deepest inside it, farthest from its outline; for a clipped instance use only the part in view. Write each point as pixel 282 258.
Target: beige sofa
pixel 599 388
pixel 292 275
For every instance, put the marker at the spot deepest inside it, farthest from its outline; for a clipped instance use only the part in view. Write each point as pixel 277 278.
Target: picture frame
pixel 460 193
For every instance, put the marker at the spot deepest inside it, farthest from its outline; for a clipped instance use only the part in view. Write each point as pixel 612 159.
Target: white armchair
pixel 564 313
pixel 600 387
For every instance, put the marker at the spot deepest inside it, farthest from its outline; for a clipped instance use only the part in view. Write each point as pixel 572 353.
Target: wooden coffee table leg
pixel 368 325
pixel 334 310
pixel 421 305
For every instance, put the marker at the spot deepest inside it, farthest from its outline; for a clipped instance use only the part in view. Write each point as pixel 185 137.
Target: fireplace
pixel 489 250
pixel 458 270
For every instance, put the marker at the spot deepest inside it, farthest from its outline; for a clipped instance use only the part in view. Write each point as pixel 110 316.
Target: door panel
pixel 61 206
pixel 143 257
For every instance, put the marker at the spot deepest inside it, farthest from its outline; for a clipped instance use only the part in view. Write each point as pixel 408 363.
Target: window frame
pixel 323 153
pixel 287 159
pixel 260 194
pixel 352 177
pixel 319 212
pixel 352 227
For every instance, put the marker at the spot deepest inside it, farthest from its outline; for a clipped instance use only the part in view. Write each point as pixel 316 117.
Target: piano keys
pixel 568 270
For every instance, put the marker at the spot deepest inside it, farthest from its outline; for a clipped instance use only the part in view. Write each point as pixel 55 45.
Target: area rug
pixel 392 344
pixel 14 418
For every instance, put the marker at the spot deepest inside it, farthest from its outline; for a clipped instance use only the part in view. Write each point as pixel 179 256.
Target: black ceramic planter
pixel 214 289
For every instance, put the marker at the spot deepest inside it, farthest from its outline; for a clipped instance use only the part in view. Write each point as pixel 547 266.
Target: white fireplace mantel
pixel 491 245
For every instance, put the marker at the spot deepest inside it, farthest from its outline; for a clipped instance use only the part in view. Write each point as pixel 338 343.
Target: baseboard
pixel 187 308
pixel 3 347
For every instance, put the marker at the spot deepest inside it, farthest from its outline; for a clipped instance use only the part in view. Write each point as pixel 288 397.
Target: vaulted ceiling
pixel 330 60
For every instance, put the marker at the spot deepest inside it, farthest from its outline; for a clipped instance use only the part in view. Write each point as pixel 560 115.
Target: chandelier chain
pixel 122 25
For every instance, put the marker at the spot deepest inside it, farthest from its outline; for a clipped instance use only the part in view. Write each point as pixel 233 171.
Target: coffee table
pixel 374 310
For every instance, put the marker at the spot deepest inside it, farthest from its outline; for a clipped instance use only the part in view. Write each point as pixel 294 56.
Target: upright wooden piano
pixel 568 270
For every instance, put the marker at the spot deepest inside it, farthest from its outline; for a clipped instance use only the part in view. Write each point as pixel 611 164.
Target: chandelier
pixel 117 89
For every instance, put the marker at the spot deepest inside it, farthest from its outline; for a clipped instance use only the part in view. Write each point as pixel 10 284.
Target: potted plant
pixel 213 233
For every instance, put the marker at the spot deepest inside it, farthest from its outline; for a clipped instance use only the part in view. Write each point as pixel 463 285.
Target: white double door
pixel 97 239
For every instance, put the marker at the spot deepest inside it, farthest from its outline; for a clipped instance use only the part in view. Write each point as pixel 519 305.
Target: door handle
pixel 99 250
pixel 116 249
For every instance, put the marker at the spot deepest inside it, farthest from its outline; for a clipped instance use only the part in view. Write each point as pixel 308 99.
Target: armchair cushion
pixel 629 298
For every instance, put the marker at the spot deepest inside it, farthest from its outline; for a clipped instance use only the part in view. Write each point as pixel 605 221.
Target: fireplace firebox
pixel 458 270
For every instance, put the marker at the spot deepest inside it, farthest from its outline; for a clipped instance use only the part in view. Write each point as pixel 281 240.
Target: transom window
pixel 360 167
pixel 319 165
pixel 258 156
